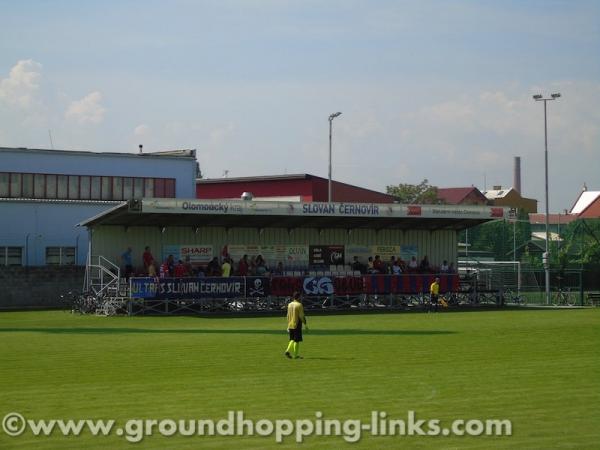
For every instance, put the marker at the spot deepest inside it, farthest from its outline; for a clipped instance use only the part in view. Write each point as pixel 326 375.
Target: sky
pixel 436 90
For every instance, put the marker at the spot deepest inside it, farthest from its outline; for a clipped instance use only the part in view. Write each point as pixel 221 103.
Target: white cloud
pixel 20 87
pixel 142 130
pixel 87 110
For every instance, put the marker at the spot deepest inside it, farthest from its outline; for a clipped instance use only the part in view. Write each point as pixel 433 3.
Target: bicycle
pixel 511 296
pixel 82 302
pixel 563 297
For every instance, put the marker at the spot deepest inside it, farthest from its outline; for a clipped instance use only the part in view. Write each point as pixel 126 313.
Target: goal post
pixel 495 274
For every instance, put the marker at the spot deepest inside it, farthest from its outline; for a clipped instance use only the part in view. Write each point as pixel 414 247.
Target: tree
pixel 422 193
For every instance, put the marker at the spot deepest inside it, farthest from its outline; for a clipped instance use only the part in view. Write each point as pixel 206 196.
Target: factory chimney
pixel 517 175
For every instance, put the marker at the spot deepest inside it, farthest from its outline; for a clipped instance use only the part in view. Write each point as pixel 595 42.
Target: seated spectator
pixel 402 264
pixel 189 269
pixel 167 268
pixel 378 265
pixel 226 267
pixel 279 269
pixel 261 267
pixel 389 268
pixel 213 269
pixel 152 269
pixel 179 270
pixel 370 267
pixel 396 269
pixel 444 267
pixel 413 265
pixel 243 266
pixel 357 265
pixel 252 266
pixel 424 266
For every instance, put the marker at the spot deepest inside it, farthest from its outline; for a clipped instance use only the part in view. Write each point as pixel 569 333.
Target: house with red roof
pixel 587 205
pixel 461 196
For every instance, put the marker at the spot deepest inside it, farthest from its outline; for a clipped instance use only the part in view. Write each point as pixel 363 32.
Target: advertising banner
pixel 362 251
pixel 325 255
pixel 258 286
pixel 200 254
pixel 408 251
pixel 281 286
pixel 188 288
pixel 289 255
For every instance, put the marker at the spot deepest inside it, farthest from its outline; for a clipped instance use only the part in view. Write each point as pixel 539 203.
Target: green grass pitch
pixel 539 369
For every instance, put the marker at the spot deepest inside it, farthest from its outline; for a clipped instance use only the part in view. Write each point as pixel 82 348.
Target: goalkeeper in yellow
pixel 295 318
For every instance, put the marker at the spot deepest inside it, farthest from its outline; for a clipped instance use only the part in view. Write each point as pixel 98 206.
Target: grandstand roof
pixel 253 214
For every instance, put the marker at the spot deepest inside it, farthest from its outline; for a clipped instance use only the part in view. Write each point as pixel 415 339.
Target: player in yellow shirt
pixel 434 292
pixel 295 319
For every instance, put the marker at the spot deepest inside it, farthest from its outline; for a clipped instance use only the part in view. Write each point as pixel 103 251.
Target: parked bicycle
pixel 81 302
pixel 513 297
pixel 563 297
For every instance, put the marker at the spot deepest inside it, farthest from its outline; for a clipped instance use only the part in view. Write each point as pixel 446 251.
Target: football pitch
pixel 539 369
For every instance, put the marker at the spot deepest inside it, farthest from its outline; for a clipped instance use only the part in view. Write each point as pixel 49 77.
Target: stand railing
pixel 103 277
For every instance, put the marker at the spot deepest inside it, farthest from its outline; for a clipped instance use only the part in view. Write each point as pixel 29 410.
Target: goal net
pixel 496 275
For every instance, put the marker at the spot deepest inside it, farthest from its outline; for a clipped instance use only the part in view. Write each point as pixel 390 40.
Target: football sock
pixel 296 349
pixel 290 347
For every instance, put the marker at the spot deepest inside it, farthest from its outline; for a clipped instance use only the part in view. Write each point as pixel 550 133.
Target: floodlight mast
pixel 331 117
pixel 546 256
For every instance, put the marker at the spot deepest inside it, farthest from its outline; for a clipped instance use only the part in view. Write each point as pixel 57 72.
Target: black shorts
pixel 296 333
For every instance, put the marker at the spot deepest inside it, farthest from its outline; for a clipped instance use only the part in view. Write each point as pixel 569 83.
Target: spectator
pixel 149 263
pixel 424 266
pixel 213 269
pixel 226 268
pixel 401 263
pixel 279 269
pixel 189 269
pixel 167 268
pixel 378 265
pixel 412 264
pixel 127 263
pixel 357 265
pixel 152 269
pixel 444 267
pixel 389 268
pixel 179 270
pixel 252 266
pixel 261 266
pixel 451 268
pixel 370 268
pixel 243 266
pixel 396 269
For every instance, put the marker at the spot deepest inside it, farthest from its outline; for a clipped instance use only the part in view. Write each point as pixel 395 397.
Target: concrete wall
pixel 39 287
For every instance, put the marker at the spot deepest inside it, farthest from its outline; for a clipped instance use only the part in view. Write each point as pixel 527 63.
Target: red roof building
pixel 587 205
pixel 462 196
pixel 301 188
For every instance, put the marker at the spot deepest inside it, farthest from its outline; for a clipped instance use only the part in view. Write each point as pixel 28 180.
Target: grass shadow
pixel 115 330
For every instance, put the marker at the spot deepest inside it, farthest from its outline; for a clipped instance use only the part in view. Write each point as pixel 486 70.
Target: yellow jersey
pixel 295 314
pixel 434 288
